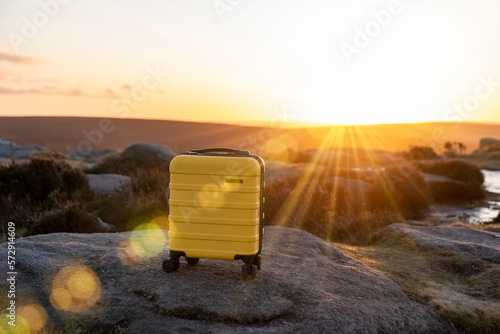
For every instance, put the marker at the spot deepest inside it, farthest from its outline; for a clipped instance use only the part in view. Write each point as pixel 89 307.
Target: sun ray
pixel 384 182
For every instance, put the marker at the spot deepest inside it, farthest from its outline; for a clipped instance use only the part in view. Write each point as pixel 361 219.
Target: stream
pixel 480 214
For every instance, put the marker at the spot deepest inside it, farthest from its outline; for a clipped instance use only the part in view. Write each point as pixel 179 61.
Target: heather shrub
pixel 400 188
pixel 50 154
pixel 45 196
pixel 450 192
pixel 116 164
pixel 31 188
pixel 68 217
pixel 455 169
pixel 37 178
pixel 309 207
pixel 123 210
pixel 421 153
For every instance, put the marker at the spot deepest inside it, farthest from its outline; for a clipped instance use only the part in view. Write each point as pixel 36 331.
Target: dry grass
pixel 456 192
pixel 463 290
pixel 326 210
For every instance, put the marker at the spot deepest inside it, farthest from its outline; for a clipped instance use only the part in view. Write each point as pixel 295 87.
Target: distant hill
pixel 64 134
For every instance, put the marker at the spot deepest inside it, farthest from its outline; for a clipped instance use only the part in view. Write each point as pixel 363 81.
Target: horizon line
pixel 254 123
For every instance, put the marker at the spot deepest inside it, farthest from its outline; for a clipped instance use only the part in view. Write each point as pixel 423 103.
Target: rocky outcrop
pixel 103 184
pixel 466 241
pixel 148 152
pixel 305 285
pixel 18 151
pixel 489 144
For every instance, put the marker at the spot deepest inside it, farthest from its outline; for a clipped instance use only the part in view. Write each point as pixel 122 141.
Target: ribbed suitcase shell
pixel 216 205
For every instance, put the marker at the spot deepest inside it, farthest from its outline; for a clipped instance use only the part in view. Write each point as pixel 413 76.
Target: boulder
pixel 489 145
pixel 104 227
pixel 5 161
pixel 463 240
pixel 148 152
pixel 5 148
pixel 306 285
pixel 429 178
pixel 19 151
pixel 90 154
pixel 103 184
pixel 486 142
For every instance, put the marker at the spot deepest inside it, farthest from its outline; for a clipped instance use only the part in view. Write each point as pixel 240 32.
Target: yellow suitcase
pixel 216 208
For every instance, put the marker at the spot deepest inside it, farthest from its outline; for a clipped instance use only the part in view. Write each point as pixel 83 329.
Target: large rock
pixel 5 161
pixel 483 142
pixel 489 145
pixel 463 240
pixel 103 184
pixel 305 285
pixel 18 151
pixel 148 152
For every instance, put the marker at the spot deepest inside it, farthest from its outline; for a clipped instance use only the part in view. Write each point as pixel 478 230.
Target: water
pixel 490 212
pixel 492 181
pixel 480 214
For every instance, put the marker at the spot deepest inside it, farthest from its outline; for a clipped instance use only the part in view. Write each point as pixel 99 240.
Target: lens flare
pixel 161 222
pixel 75 288
pixel 34 316
pixel 61 298
pixel 81 284
pixel 148 240
pixel 127 254
pixel 282 148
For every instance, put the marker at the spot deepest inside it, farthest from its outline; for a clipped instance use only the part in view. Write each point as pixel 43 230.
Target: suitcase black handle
pixel 221 149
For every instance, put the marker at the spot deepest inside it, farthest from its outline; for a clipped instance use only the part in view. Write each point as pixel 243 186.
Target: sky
pixel 239 61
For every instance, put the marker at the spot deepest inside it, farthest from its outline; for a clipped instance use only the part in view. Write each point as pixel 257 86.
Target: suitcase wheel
pixel 192 260
pixel 256 261
pixel 171 265
pixel 249 270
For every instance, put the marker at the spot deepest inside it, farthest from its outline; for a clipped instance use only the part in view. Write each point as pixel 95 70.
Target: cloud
pixel 51 90
pixel 20 60
pixel 110 94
